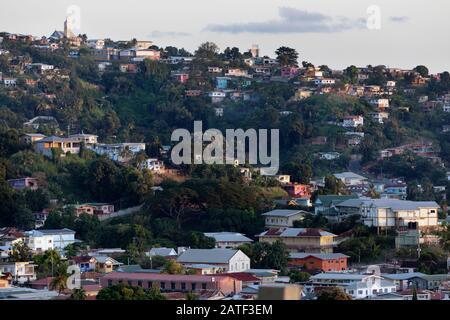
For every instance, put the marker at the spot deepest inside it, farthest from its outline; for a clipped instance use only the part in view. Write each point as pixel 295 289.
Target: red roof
pixel 161 277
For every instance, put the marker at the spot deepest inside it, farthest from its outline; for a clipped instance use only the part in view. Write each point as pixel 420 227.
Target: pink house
pixel 181 77
pixel 289 72
pixel 174 282
pixel 23 183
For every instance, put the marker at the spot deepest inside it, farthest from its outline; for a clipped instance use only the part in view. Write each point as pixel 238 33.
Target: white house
pixel 350 178
pixel 120 152
pixel 353 121
pixel 163 252
pixel 21 271
pixel 324 81
pixel 43 240
pixel 392 213
pixel 282 218
pixel 228 239
pixel 87 139
pixel 228 260
pixel 379 117
pixel 152 165
pixel 380 103
pixel 359 286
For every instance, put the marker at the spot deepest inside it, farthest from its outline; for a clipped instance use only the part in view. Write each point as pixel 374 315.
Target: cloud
pixel 292 20
pixel 399 19
pixel 168 34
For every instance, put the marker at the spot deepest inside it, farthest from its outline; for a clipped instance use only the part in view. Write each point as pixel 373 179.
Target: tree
pixel 422 70
pixel 173 267
pixel 20 252
pixel 298 276
pixel 78 294
pixel 267 256
pixel 287 56
pixel 335 293
pixel 207 50
pixel 125 292
pixel 59 283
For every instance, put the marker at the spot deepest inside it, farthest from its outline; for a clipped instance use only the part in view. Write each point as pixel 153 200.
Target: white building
pixel 324 81
pixel 121 152
pixel 96 43
pixel 282 218
pixel 353 121
pixel 379 117
pixel 359 286
pixel 380 103
pixel 227 259
pixel 228 239
pixel 21 271
pixel 43 240
pixel 392 213
pixel 152 165
pixel 87 139
pixel 350 178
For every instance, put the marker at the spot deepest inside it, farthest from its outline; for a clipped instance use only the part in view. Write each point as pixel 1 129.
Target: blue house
pixel 222 82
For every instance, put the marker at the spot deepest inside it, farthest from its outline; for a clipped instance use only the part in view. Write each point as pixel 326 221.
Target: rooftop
pixel 228 237
pixel 207 256
pixel 283 213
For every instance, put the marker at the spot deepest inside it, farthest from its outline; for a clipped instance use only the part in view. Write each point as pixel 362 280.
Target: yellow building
pixel 301 239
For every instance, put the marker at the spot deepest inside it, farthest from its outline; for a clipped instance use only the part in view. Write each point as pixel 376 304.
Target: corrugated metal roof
pixel 207 256
pixel 228 237
pixel 283 213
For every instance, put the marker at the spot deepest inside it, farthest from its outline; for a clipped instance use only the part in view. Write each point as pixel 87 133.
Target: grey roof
pixel 404 276
pixel 323 256
pixel 296 232
pixel 56 231
pixel 228 237
pixel 283 213
pixel 327 200
pixel 364 285
pixel 207 256
pixel 339 276
pixel 349 175
pixel 394 204
pixel 104 259
pixel 164 252
pixel 57 139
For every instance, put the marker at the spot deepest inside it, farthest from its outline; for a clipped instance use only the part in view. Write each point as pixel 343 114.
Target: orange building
pixel 327 262
pixel 298 190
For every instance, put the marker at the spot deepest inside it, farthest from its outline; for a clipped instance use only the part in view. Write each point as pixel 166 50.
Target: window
pixel 183 286
pixel 203 286
pixel 150 284
pixel 172 285
pixel 163 285
pixel 194 286
pixel 130 283
pixel 109 283
pixel 139 283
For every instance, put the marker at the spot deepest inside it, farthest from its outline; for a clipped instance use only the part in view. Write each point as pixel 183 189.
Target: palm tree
pixel 78 294
pixel 59 283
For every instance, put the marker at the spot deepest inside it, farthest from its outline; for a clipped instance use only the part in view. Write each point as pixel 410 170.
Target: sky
pixel 337 33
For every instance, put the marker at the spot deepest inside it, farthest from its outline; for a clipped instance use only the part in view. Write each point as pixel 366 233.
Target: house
pixel 236 72
pixel 21 272
pixel 350 178
pixel 301 239
pixel 359 286
pixel 395 191
pixel 163 252
pixel 64 145
pixel 294 202
pixel 192 93
pixel 328 155
pixel 380 103
pixel 353 121
pixel 30 138
pixel 297 190
pixel 324 82
pixel 228 239
pixel 105 264
pixel 391 213
pixel 143 44
pixel 174 282
pixel 120 152
pixel 303 93
pixel 43 240
pixel 97 209
pixel 9 82
pixel 96 43
pixel 282 217
pixel 379 117
pixel 326 262
pixel 128 68
pixel 325 203
pixel 40 67
pixel 23 183
pixel 87 139
pixel 228 259
pixel 215 70
pixel 217 96
pixel 181 77
pixel 289 71
pixel 222 82
pixel 154 165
